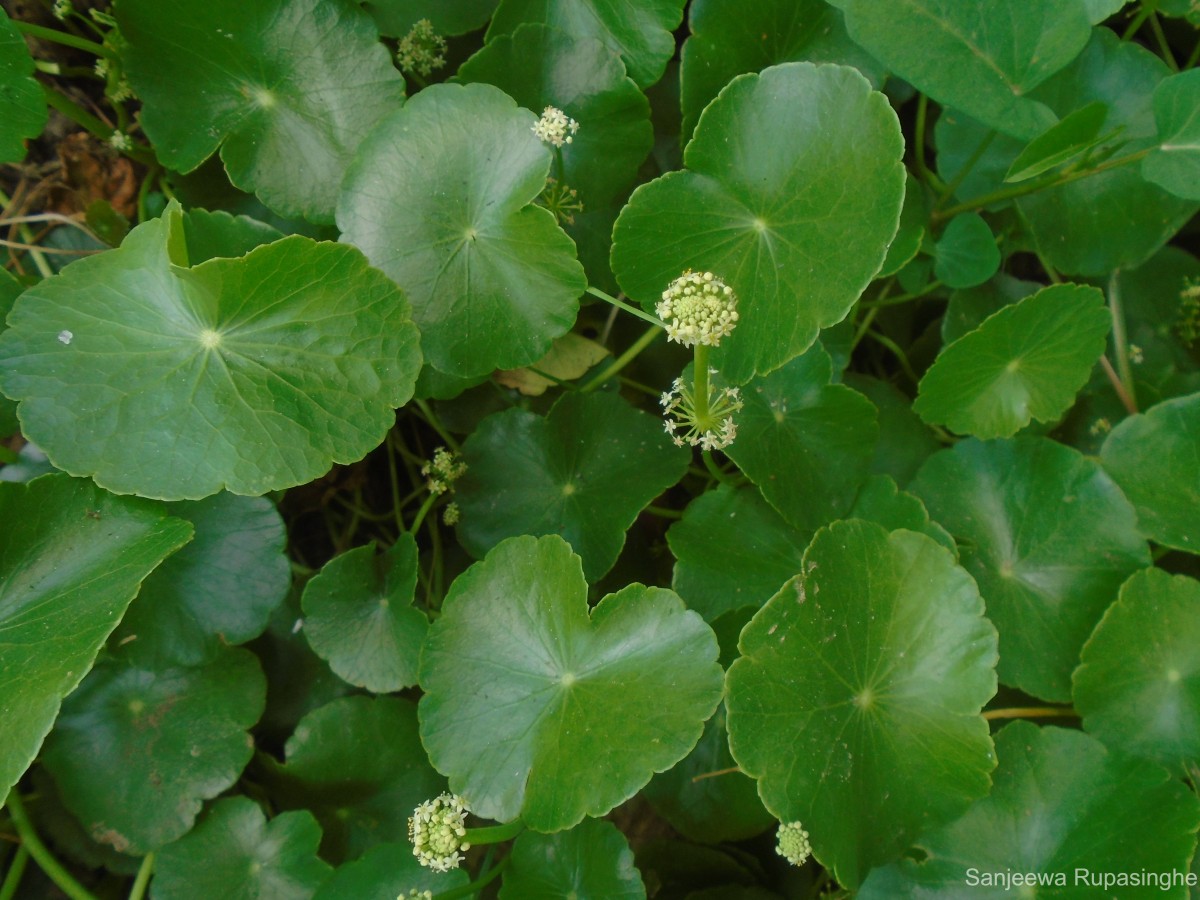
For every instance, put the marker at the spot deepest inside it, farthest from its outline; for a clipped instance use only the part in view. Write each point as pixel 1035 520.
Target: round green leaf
pixel 492 279
pixel 286 90
pixel 235 853
pixel 792 194
pixel 723 805
pixel 218 590
pixel 250 374
pixel 856 700
pixel 728 38
pixel 882 502
pixel 165 739
pixel 733 550
pixel 806 443
pixel 71 558
pixel 359 617
pixel 640 33
pixel 358 764
pixel 1060 804
pixel 583 472
pixel 210 235
pixel 449 17
pixel 968 308
pixel 904 440
pixel 22 102
pixel 1175 163
pixel 1114 219
pixel 592 860
pixel 1048 537
pixel 387 872
pixel 981 58
pixel 536 707
pixel 539 67
pixel 966 254
pixel 1027 361
pixel 1138 688
pixel 1153 457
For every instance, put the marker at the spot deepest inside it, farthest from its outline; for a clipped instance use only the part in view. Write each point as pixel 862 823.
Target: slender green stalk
pixel 700 389
pixel 494 834
pixel 883 301
pixel 1193 57
pixel 863 327
pixel 1164 49
pixel 61 37
pixel 12 878
pixel 1120 340
pixel 145 870
pixel 85 119
pixel 468 890
pixel 715 471
pixel 621 304
pixel 446 437
pixel 39 258
pixel 663 512
pixel 647 338
pixel 967 168
pixel 1031 712
pixel 1031 187
pixel 422 513
pixel 919 144
pixel 43 857
pixel 897 352
pixel 1137 21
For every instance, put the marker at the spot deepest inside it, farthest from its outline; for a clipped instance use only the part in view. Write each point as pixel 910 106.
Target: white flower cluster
pixel 682 423
pixel 699 308
pixel 442 471
pixel 555 127
pixel 792 843
pixel 120 141
pixel 414 894
pixel 437 829
pixel 421 50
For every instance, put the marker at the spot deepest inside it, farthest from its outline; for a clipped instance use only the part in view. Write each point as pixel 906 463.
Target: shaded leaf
pixel 792 194
pixel 570 358
pixel 67 573
pixel 1048 537
pixel 593 859
pixel 536 707
pixel 1078 131
pixel 966 254
pixel 1175 163
pixel 22 102
pixel 387 872
pixel 449 17
pixel 856 700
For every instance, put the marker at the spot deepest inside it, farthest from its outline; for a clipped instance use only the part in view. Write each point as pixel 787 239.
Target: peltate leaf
pixel 966 254
pixel 165 738
pixel 593 859
pixel 584 472
pixel 1048 537
pixel 236 853
pixel 71 558
pixel 22 102
pixel 359 617
pixel 536 707
pixel 286 90
pixel 1060 805
pixel 1026 361
pixel 640 33
pixel 856 700
pixel 982 57
pixel 792 193
pixel 1138 688
pixel 249 374
pixel 1154 458
pixel 492 279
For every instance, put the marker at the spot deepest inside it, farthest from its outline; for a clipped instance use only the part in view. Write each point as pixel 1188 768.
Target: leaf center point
pixel 567 679
pixel 210 339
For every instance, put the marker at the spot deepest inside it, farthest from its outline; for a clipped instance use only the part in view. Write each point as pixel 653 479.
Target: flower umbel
pixel 421 50
pixel 687 425
pixel 699 308
pixel 437 829
pixel 793 843
pixel 555 127
pixel 414 894
pixel 1188 324
pixel 442 471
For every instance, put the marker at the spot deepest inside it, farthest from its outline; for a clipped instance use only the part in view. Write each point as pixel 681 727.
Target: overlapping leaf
pixel 440 198
pixel 71 558
pixel 1155 458
pixel 856 700
pixel 792 193
pixel 583 472
pixel 236 853
pixel 982 57
pixel 359 617
pixel 536 707
pixel 286 90
pixel 448 17
pixel 250 374
pixel 640 33
pixel 593 859
pixel 966 254
pixel 22 103
pixel 1048 537
pixel 165 738
pixel 1175 163
pixel 1060 805
pixel 1027 361
pixel 387 872
pixel 1138 688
